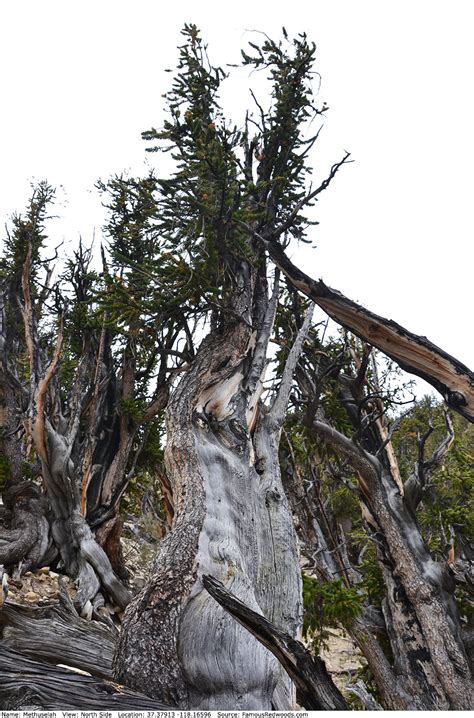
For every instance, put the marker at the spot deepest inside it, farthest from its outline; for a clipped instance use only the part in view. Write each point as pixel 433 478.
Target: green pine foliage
pixel 28 229
pixel 282 143
pixel 328 604
pixel 444 503
pixel 5 471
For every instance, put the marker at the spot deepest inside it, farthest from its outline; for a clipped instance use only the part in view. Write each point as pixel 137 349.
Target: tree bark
pixel 231 521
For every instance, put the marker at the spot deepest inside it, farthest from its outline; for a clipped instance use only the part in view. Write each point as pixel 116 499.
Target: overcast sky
pixel 81 80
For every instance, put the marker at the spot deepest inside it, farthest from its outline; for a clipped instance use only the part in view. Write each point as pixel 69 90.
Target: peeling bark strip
pixel 315 688
pixel 413 353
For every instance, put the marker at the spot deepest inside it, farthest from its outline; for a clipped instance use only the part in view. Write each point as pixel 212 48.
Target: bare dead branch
pixel 359 689
pixel 280 402
pixel 157 404
pixel 38 428
pixel 27 311
pixel 286 225
pixel 415 354
pixel 259 358
pixel 443 447
pixel 314 686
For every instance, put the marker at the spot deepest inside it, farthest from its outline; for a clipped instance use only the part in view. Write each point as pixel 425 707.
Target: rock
pixel 44 569
pixel 342 657
pixel 31 597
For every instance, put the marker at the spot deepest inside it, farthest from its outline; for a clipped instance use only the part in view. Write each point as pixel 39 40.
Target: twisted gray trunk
pixel 27 538
pixel 430 659
pixel 231 521
pixel 10 397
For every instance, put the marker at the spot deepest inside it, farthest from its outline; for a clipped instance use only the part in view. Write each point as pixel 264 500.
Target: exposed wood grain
pixel 26 683
pixel 54 635
pixel 315 688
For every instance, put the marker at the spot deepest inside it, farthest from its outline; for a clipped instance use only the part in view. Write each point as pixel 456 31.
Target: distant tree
pixel 84 380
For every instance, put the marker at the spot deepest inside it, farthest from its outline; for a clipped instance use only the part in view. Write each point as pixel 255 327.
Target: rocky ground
pixel 39 588
pixel 342 657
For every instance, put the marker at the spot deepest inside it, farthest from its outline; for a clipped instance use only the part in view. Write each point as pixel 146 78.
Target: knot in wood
pixel 260 466
pixel 272 495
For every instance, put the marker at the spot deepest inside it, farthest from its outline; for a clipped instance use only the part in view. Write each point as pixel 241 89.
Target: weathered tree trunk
pixel 231 521
pixel 27 538
pixel 430 659
pixel 82 556
pixel 322 548
pixel 10 405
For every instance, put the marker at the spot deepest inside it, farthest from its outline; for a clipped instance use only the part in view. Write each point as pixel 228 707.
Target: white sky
pixel 81 80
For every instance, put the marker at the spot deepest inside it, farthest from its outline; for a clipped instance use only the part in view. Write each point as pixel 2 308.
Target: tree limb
pixel 38 429
pixel 314 685
pixel 416 482
pixel 413 353
pixel 280 402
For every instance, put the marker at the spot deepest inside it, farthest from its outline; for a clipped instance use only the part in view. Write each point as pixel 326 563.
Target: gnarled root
pixel 25 536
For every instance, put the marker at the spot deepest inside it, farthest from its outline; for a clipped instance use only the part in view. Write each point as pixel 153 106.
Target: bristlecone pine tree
pixel 236 195
pixel 173 337
pixel 84 379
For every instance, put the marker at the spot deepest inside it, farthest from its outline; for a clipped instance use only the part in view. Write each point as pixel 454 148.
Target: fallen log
pixel 54 635
pixel 29 684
